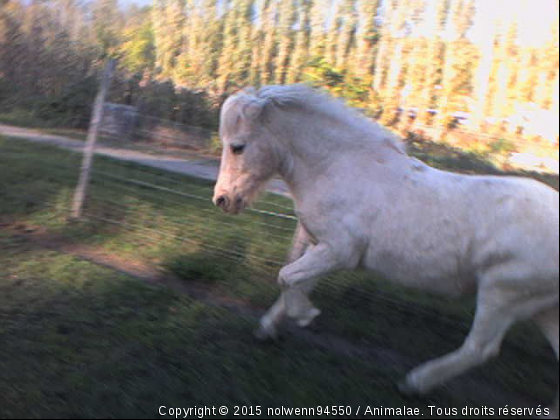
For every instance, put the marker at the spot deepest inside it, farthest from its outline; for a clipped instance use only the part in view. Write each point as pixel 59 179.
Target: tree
pixel 244 48
pixel 300 54
pixel 317 28
pixel 226 63
pixel 333 32
pixel 107 21
pixel 366 37
pixel 349 18
pixel 137 49
pixel 460 59
pixel 398 35
pixel 383 46
pixel 266 64
pixel 434 60
pixel 12 48
pixel 286 21
pixel 257 40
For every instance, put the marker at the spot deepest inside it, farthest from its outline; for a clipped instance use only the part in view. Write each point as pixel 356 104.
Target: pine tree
pixel 384 46
pixel 482 80
pixel 285 39
pixel 349 18
pixel 391 94
pixel 137 49
pixel 107 22
pixel 549 63
pixel 317 37
pixel 499 105
pixel 226 66
pixel 12 48
pixel 173 35
pixel 434 61
pixel 300 54
pixel 366 37
pixel 413 76
pixel 244 33
pixel 333 34
pixel 257 40
pixel 460 59
pixel 210 45
pixel 197 64
pixel 269 46
pixel 158 24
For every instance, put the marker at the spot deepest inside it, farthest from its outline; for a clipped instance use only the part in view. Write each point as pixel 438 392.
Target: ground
pixel 152 299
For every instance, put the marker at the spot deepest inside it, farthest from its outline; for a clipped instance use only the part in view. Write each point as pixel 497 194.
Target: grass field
pixel 81 339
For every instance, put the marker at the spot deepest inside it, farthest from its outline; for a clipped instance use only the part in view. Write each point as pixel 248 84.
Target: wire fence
pixel 168 218
pixel 174 215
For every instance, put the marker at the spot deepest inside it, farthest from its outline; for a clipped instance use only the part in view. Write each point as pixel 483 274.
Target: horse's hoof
pixel 308 318
pixel 265 334
pixel 408 389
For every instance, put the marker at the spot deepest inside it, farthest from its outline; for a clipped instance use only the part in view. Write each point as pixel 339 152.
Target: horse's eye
pixel 237 149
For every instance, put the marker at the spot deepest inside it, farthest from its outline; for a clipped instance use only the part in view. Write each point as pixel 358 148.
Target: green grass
pixel 78 339
pixel 81 340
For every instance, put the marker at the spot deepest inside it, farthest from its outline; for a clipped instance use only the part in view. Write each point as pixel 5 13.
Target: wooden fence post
pixel 97 116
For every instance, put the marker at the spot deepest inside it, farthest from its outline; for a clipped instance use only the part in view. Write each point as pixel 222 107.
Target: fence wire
pixel 171 215
pixel 157 205
pixel 169 219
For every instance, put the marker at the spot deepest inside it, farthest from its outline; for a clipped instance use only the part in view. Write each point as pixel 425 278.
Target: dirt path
pixel 196 165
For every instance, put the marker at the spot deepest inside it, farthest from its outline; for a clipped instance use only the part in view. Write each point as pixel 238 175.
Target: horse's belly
pixel 442 275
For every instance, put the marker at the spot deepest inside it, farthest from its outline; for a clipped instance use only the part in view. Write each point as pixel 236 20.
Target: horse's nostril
pixel 221 201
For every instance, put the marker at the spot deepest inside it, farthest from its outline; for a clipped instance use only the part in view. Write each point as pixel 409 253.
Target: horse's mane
pixel 305 98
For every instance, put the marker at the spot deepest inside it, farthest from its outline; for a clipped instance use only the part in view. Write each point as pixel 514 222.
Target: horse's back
pixel 443 229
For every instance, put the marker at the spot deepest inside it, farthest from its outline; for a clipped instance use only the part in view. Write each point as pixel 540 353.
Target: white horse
pixel 362 201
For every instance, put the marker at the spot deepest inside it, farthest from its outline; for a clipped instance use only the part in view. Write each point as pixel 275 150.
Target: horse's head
pixel 249 157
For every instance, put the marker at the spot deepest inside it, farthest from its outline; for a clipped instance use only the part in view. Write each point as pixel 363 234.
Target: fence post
pixel 97 116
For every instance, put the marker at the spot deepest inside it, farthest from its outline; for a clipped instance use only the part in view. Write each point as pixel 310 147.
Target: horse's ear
pixel 254 108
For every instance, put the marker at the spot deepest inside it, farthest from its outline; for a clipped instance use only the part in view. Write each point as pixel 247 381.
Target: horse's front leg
pixel 268 327
pixel 293 302
pixel 318 260
pixel 298 279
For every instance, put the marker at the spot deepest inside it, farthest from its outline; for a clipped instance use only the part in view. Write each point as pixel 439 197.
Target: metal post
pixel 97 115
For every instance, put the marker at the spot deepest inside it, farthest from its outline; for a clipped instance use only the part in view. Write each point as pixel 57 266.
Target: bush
pixel 502 146
pixel 215 144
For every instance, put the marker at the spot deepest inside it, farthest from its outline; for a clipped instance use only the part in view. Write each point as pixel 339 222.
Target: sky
pixel 535 18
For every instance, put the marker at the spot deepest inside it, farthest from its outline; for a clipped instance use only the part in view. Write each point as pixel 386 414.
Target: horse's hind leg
pixel 500 303
pixel 548 323
pixel 492 320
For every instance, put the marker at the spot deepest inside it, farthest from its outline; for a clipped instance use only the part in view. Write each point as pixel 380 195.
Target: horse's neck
pixel 307 148
pixel 313 144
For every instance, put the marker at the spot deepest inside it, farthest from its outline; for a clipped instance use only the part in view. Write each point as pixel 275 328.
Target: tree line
pixel 179 59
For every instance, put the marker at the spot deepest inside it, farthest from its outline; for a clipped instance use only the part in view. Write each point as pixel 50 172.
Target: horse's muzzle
pixel 222 201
